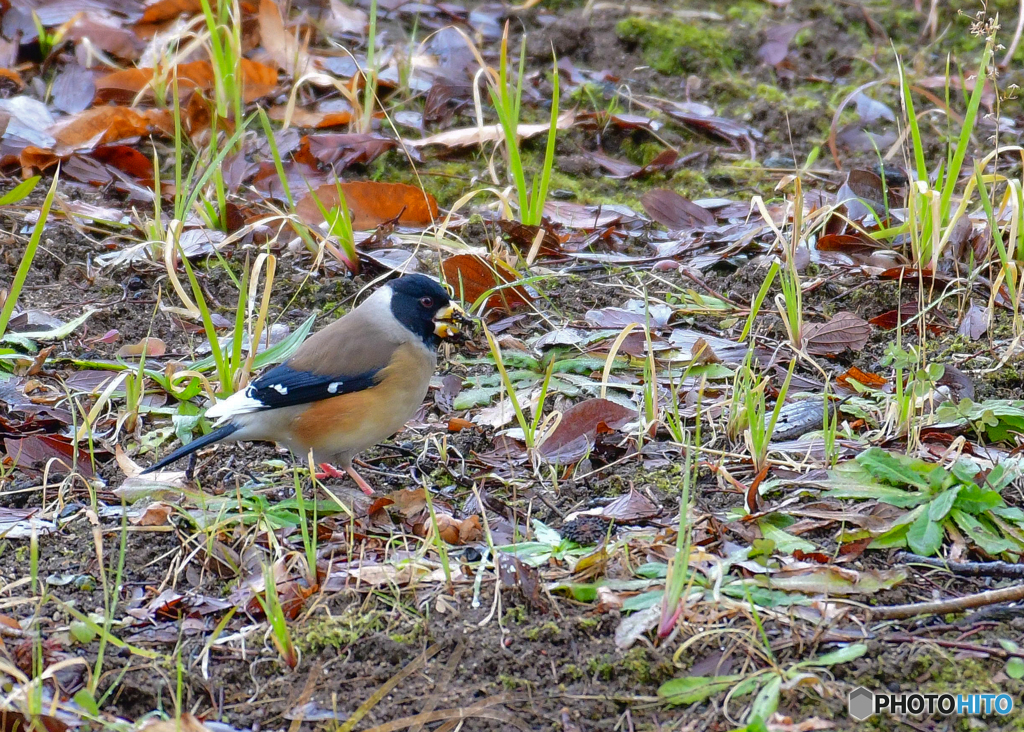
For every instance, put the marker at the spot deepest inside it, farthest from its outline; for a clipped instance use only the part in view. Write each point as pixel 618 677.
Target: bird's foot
pixel 329 471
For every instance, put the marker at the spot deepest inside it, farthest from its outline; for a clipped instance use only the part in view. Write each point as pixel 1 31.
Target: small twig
pixel 999 570
pixel 940 607
pixel 958 645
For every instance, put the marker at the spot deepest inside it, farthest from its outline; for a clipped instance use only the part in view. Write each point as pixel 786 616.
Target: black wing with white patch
pixel 283 386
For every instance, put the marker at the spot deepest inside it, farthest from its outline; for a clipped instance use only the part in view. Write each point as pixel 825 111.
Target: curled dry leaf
pixel 453 531
pixel 473 276
pixel 844 331
pixel 472 136
pixel 513 572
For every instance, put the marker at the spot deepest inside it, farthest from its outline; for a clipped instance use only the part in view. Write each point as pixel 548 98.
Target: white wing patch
pixel 241 402
pixel 333 387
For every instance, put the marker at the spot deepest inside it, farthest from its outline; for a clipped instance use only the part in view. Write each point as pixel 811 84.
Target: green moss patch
pixel 677 48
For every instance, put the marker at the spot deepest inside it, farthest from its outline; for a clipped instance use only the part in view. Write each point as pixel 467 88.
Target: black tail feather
pixel 218 434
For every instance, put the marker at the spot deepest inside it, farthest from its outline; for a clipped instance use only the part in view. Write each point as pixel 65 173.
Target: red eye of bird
pixel 427 302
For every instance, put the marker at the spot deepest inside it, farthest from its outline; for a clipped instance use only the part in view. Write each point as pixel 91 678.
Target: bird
pixel 348 386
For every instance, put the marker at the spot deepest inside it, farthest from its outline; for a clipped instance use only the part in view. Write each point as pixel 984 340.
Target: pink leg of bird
pixel 329 471
pixel 363 485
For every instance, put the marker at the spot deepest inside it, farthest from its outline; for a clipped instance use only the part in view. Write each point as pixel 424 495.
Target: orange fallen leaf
pixel 164 10
pixel 150 347
pixel 861 377
pixel 473 276
pixel 372 204
pixel 457 424
pixel 308 118
pixel 102 125
pixel 258 80
pixel 155 514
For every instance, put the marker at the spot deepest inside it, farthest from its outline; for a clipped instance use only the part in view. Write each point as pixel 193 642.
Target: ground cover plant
pixel 737 429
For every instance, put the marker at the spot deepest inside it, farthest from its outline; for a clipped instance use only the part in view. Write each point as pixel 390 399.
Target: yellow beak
pixel 449 320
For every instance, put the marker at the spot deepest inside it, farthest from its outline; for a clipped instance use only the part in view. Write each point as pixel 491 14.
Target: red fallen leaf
pixel 843 331
pixel 34 451
pixel 615 168
pixel 818 557
pixel 727 129
pixel 665 160
pixel 847 243
pixel 854 549
pixel 906 272
pixel 372 204
pixel 472 276
pixel 861 377
pixel 110 336
pixel 126 159
pixel 893 319
pixel 14 720
pixel 580 424
pixel 674 211
pixel 937 436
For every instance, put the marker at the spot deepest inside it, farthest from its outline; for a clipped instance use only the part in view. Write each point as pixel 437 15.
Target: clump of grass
pixel 507 101
pixel 18 283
